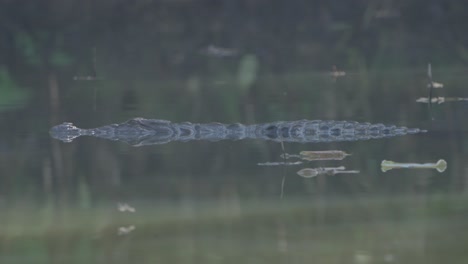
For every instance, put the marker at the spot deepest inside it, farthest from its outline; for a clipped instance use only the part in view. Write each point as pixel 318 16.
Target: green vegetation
pixel 11 95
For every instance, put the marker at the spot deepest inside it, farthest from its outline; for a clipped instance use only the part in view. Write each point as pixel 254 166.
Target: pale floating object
pixel 335 73
pixel 431 84
pixel 125 230
pixel 279 163
pixel 313 172
pixel 123 207
pixel 425 100
pixel 435 85
pixel 387 165
pixel 318 155
pixel 440 100
pixel 216 51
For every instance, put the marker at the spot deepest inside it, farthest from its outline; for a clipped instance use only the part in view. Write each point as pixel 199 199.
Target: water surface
pixel 209 202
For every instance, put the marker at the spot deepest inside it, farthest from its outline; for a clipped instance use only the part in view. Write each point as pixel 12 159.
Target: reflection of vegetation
pixel 11 95
pixel 248 71
pixel 35 49
pixel 28 48
pixel 246 229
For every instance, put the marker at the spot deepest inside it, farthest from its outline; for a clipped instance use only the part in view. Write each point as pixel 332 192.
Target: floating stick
pixel 387 165
pixel 429 85
pixel 279 163
pixel 318 155
pixel 312 172
pixel 323 155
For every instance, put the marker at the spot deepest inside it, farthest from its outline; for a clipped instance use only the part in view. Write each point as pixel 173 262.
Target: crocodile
pixel 141 131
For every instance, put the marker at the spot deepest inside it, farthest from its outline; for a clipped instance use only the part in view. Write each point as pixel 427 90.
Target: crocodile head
pixel 65 132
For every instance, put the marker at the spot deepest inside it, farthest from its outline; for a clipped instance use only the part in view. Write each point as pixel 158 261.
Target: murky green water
pixel 99 201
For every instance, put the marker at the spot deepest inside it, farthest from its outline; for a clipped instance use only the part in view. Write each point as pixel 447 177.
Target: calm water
pixel 100 201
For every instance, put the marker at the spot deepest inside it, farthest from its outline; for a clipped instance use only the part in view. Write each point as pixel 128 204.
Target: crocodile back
pixel 140 131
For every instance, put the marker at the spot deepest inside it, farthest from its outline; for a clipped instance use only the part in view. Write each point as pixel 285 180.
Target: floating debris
pixel 215 51
pixel 440 100
pixel 435 85
pixel 387 165
pixel 125 230
pixel 312 172
pixel 280 163
pixel 318 155
pixel 425 100
pixel 123 207
pixel 335 73
pixel 431 84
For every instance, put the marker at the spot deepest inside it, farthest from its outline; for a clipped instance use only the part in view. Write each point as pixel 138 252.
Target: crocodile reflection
pixel 140 131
